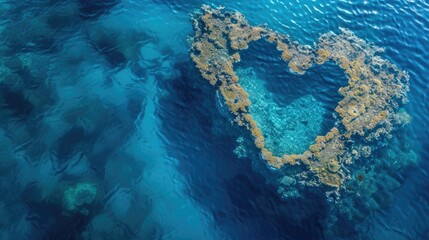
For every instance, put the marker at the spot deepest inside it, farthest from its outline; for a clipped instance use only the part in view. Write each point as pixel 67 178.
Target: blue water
pixel 108 131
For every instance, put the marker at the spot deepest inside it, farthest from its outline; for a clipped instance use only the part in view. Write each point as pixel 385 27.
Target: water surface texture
pixel 109 131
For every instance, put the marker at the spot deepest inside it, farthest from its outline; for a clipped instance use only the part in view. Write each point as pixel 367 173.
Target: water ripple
pixel 103 93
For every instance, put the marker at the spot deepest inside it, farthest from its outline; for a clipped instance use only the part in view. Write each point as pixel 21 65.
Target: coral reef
pixel 77 197
pixel 369 108
pixel 375 177
pixel 240 150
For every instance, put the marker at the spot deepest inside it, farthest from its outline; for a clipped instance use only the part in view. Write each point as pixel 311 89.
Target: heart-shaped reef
pixel 367 111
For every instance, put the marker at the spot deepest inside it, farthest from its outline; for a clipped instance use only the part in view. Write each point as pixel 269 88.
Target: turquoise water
pixel 289 129
pixel 108 131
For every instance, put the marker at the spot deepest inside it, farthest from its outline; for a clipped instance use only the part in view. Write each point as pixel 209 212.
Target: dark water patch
pixel 26 77
pixel 68 228
pixel 185 93
pixel 18 41
pixel 135 107
pixel 96 145
pixel 92 9
pixel 15 102
pixel 139 71
pixel 37 27
pixel 63 18
pixel 111 135
pixel 119 47
pixel 56 225
pixel 253 200
pixel 104 43
pixel 71 142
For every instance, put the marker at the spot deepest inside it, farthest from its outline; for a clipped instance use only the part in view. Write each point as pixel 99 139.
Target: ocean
pixel 108 130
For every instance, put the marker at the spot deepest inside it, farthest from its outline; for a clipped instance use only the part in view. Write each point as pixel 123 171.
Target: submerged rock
pixel 77 197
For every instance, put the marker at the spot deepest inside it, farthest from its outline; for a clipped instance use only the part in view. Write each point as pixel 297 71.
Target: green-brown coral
pixel 375 90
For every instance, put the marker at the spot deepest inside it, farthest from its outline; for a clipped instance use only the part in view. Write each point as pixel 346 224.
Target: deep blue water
pixel 101 104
